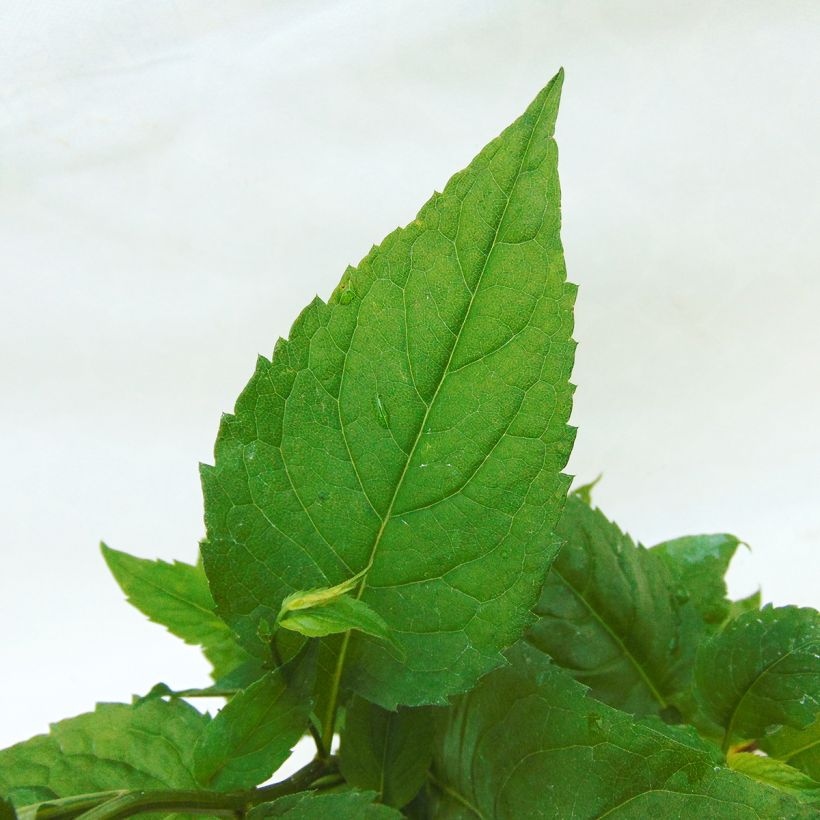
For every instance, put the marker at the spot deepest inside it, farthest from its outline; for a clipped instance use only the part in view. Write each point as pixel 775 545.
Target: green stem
pixel 118 804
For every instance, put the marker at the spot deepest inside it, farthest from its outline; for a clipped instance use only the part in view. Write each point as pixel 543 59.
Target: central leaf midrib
pixel 446 368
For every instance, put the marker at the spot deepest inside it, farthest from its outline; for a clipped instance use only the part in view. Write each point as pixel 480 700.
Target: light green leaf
pixel 340 615
pixel 613 616
pixel 388 752
pixel 414 431
pixel 529 742
pixel 798 747
pixel 177 597
pixel 114 747
pixel 350 805
pixel 776 773
pixel 699 564
pixel 761 671
pixel 253 734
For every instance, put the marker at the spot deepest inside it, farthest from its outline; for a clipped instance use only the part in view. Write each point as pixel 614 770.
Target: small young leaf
pixel 177 597
pixel 387 752
pixel 339 615
pixel 114 747
pixel 348 805
pixel 414 434
pixel 529 742
pixel 699 564
pixel 798 747
pixel 612 614
pixel 760 672
pixel 251 737
pixel 776 773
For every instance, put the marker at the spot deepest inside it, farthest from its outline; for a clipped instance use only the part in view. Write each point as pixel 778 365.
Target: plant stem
pixel 118 804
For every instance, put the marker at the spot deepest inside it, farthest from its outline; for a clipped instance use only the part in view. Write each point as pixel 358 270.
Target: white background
pixel 177 180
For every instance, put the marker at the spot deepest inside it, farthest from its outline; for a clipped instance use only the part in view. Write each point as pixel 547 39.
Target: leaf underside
pixel 414 430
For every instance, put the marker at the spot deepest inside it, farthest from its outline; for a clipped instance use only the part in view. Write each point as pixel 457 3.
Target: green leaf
pixel 529 742
pixel 253 734
pixel 776 773
pixel 414 432
pixel 761 671
pixel 584 492
pixel 337 616
pixel 386 752
pixel 114 747
pixel 798 747
pixel 699 564
pixel 751 603
pixel 7 810
pixel 177 597
pixel 350 805
pixel 612 615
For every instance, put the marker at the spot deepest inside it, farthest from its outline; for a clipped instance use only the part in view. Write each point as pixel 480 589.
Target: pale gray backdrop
pixel 178 179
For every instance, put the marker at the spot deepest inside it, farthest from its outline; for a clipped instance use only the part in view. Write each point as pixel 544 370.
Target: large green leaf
pixel 798 747
pixel 612 614
pixel 252 735
pixel 387 752
pixel 529 743
pixel 349 805
pixel 177 597
pixel 414 430
pixel 699 564
pixel 115 747
pixel 760 672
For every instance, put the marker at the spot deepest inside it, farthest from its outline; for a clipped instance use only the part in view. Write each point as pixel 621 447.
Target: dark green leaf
pixel 177 597
pixel 612 615
pixel 414 432
pixel 386 752
pixel 251 737
pixel 798 747
pixel 7 810
pixel 699 564
pixel 529 742
pixel 349 805
pixel 761 671
pixel 114 747
pixel 776 773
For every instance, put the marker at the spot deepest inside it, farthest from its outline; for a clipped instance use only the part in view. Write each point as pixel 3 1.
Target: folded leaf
pixel 761 671
pixel 351 805
pixel 177 597
pixel 387 752
pixel 413 431
pixel 798 747
pixel 529 742
pixel 776 773
pixel 699 564
pixel 340 615
pixel 612 614
pixel 253 734
pixel 114 747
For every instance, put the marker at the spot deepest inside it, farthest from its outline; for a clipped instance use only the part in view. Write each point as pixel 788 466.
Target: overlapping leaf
pixel 414 430
pixel 177 597
pixel 798 747
pixel 613 615
pixel 251 737
pixel 529 742
pixel 115 747
pixel 776 773
pixel 760 672
pixel 699 563
pixel 388 752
